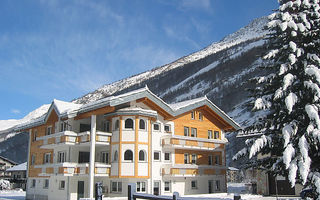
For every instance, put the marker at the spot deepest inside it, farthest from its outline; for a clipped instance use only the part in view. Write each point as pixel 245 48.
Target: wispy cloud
pixel 195 5
pixel 15 111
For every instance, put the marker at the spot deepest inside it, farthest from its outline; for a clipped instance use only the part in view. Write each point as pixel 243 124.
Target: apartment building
pixel 131 138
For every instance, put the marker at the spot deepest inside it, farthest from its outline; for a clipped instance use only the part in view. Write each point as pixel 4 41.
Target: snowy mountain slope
pixel 219 71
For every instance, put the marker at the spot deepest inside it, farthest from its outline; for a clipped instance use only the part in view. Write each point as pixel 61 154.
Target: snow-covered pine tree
pixel 290 94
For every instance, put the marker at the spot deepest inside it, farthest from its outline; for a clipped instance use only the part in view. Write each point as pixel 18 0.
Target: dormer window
pixel 128 124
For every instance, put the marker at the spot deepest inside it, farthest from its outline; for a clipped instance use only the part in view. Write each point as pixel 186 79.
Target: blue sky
pixel 64 49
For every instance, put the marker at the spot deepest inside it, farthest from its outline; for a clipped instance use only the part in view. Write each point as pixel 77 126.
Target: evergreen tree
pixel 290 95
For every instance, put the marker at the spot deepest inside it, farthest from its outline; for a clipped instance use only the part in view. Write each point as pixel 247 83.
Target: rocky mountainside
pixel 219 71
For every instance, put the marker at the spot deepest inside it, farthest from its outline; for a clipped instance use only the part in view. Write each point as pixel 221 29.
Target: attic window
pixel 200 116
pixel 192 115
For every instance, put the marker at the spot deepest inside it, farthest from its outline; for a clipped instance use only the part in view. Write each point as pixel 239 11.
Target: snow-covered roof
pixel 8 160
pixel 233 169
pixel 68 109
pixel 21 167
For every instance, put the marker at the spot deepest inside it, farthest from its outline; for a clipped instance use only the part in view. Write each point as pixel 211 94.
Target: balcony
pixel 72 138
pixel 193 143
pixel 73 169
pixel 193 170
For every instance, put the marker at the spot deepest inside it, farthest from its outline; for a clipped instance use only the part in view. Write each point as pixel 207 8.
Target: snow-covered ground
pixel 232 189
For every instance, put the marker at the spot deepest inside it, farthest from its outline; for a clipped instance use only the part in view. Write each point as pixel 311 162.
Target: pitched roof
pixel 6 159
pixel 21 167
pixel 67 109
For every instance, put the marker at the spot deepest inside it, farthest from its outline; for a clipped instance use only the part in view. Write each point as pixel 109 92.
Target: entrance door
pixel 80 189
pixel 156 187
pixel 210 183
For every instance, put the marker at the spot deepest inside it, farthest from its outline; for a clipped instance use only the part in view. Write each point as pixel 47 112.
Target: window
pixel 61 157
pixel 156 127
pixel 46 184
pixel 62 185
pixel 210 160
pixel 142 155
pixel 116 186
pixel 186 131
pixel 156 155
pixel 217 160
pixel 167 156
pixel 115 156
pixel 193 132
pixel 216 134
pixel 63 126
pixel 84 157
pixel 210 136
pixel 128 123
pixel 35 133
pixel 104 157
pixel 141 186
pixel 217 185
pixel 33 183
pixel 49 130
pixel 186 158
pixel 200 116
pixel 33 159
pixel 106 126
pixel 116 125
pixel 194 159
pixel 167 186
pixel 167 128
pixel 194 184
pixel 128 155
pixel 47 158
pixel 192 115
pixel 142 124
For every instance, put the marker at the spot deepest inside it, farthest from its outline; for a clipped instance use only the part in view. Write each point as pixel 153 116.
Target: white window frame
pixel 104 157
pixel 47 158
pixel 186 155
pixel 157 152
pixel 218 135
pixel 169 186
pixel 193 115
pixel 118 185
pixel 167 125
pixel 141 185
pixel 194 158
pixel 145 124
pixel 133 123
pixel 165 156
pixel 195 185
pixel 200 116
pixel 47 130
pixel 62 159
pixel 194 132
pixel 184 131
pixel 145 156
pixel 156 129
pixel 210 134
pixel 46 184
pixel 62 186
pixel 124 153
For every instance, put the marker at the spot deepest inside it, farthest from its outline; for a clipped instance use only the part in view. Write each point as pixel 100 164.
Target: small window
pixel 210 160
pixel 47 158
pixel 106 126
pixel 156 155
pixel 115 156
pixel 62 185
pixel 217 160
pixel 167 128
pixel 61 157
pixel 193 132
pixel 116 125
pixel 33 159
pixel 142 155
pixel 46 184
pixel 194 159
pixel 167 156
pixel 128 155
pixel 116 186
pixel 186 158
pixel 156 127
pixel 141 186
pixel 49 130
pixel 194 184
pixel 128 124
pixel 104 157
pixel 200 116
pixel 142 124
pixel 33 184
pixel 210 135
pixel 216 135
pixel 186 131
pixel 192 115
pixel 63 126
pixel 35 133
pixel 167 186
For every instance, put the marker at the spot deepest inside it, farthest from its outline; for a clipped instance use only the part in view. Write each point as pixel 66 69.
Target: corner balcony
pixel 73 169
pixel 185 170
pixel 192 143
pixel 73 138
